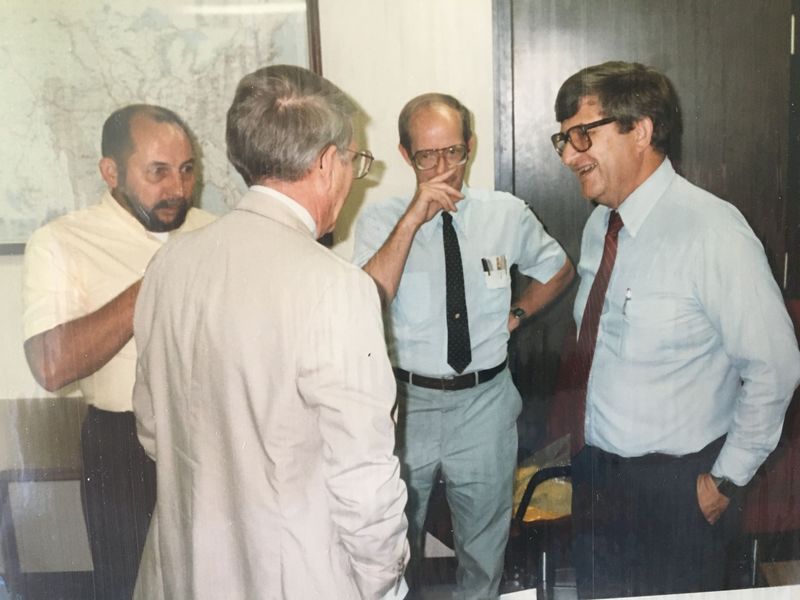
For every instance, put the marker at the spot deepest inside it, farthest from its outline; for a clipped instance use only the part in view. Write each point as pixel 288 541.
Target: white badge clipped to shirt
pixel 495 271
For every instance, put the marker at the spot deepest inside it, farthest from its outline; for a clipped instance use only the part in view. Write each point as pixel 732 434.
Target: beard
pixel 149 217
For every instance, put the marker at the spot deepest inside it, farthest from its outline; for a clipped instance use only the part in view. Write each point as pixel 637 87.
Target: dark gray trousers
pixel 118 493
pixel 638 529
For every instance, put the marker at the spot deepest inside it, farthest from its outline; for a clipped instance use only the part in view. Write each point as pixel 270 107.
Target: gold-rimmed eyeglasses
pixel 577 136
pixel 454 156
pixel 362 161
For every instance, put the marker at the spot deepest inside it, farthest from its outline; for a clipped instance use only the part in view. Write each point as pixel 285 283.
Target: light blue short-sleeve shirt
pixel 495 231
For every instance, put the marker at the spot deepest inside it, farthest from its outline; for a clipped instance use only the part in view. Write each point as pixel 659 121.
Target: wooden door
pixel 730 63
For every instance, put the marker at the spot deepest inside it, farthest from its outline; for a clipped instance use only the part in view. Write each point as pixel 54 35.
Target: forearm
pixel 74 350
pixel 745 451
pixel 538 295
pixel 387 264
pixel 769 379
pixel 743 303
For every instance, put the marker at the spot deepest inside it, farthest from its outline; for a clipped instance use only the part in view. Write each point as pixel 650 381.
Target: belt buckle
pixel 453 378
pixel 448 382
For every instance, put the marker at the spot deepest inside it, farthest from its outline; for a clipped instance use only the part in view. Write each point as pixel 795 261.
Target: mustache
pixel 177 202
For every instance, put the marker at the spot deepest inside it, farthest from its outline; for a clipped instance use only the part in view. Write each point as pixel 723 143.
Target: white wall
pixel 15 378
pixel 382 52
pixel 385 52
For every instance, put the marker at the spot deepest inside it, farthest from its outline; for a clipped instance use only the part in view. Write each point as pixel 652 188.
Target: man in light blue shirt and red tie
pixel 441 259
pixel 689 356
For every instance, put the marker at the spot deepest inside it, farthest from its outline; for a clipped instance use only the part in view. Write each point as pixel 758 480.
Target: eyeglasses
pixel 577 136
pixel 428 159
pixel 362 161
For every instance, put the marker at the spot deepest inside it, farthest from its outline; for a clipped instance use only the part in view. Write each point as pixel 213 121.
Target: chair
pixel 537 533
pixel 541 535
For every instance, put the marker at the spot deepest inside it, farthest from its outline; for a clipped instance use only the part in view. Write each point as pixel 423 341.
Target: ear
pixel 404 154
pixel 470 144
pixel 328 160
pixel 108 171
pixel 643 132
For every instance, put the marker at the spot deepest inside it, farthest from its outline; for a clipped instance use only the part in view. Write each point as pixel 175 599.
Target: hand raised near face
pixel 433 196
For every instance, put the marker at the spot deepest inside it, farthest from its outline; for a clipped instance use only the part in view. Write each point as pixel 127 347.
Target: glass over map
pixel 65 66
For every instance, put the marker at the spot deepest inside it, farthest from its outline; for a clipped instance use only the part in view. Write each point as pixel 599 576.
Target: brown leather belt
pixel 457 382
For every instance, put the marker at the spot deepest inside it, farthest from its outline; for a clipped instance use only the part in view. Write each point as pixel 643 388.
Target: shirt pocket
pixel 650 330
pixel 488 285
pixel 495 272
pixel 413 299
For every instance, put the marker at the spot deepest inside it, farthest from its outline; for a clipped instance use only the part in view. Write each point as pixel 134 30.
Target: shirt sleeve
pixel 345 374
pixel 372 231
pixel 539 255
pixel 51 289
pixel 745 305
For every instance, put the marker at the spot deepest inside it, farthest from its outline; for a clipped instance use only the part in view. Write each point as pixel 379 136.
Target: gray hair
pixel 282 117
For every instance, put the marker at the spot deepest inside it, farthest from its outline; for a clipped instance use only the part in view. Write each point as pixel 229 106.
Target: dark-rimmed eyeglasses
pixel 362 161
pixel 577 136
pixel 454 156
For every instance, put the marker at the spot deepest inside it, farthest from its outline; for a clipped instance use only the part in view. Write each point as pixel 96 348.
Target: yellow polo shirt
pixel 79 262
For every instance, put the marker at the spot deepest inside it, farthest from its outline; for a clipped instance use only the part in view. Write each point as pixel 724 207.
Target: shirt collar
pixel 637 206
pixel 119 211
pixel 459 219
pixel 123 215
pixel 301 213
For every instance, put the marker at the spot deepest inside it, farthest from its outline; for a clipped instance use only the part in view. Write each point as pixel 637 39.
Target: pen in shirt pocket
pixel 628 296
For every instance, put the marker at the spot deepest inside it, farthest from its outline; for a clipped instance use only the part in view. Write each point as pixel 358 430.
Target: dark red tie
pixel 587 339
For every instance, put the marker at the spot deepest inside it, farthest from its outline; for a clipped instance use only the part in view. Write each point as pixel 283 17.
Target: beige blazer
pixel 264 393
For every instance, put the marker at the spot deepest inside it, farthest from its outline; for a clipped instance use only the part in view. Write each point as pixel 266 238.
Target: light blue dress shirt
pixel 694 340
pixel 495 231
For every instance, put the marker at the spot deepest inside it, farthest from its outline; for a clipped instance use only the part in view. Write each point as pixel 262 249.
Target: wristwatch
pixel 726 487
pixel 518 312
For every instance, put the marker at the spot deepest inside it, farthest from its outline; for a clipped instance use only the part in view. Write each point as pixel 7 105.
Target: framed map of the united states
pixel 65 66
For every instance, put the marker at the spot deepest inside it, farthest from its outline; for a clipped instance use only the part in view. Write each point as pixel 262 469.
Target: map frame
pixel 15 245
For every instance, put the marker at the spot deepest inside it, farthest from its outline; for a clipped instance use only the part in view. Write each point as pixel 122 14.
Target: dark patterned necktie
pixel 459 349
pixel 587 338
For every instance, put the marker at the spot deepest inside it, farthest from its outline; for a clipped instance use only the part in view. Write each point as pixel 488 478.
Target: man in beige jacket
pixel 263 387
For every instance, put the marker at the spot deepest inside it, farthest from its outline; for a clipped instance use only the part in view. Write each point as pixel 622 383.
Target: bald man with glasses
pixel 441 259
